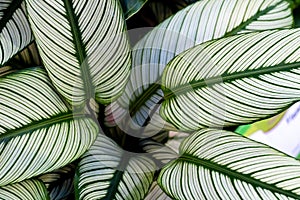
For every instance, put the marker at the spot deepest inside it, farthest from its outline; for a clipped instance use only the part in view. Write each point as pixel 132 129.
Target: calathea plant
pixel 85 115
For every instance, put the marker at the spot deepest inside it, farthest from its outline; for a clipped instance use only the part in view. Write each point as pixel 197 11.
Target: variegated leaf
pixel 217 164
pixel 234 80
pixel 38 131
pixel 15 32
pixel 83 46
pixel 202 21
pixel 108 172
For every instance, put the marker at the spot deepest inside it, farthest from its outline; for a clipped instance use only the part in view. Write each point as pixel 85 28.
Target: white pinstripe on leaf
pixel 38 132
pixel 217 164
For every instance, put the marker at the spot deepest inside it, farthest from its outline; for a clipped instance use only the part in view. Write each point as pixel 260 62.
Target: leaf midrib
pixel 141 99
pixel 8 12
pixel 234 174
pixel 81 53
pixel 117 178
pixel 63 117
pixel 251 19
pixel 227 78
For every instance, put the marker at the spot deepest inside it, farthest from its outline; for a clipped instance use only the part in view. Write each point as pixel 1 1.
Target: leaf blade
pixel 198 23
pixel 15 32
pixel 230 166
pixel 83 60
pixel 107 171
pixel 28 189
pixel 130 7
pixel 241 83
pixel 38 133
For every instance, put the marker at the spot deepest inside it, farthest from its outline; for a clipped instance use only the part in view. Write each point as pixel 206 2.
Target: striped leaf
pixel 156 193
pixel 175 140
pixel 86 55
pixel 6 70
pixel 200 22
pixel 108 172
pixel 28 189
pixel 216 164
pixel 15 33
pixel 28 57
pixel 160 153
pixel 235 80
pixel 38 132
pixel 130 7
pixel 59 182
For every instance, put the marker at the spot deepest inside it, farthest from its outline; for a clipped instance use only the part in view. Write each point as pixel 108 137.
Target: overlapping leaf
pixel 200 22
pixel 108 172
pixel 28 189
pixel 6 70
pixel 60 182
pixel 235 80
pixel 15 33
pixel 83 47
pixel 160 153
pixel 156 193
pixel 28 57
pixel 38 132
pixel 216 164
pixel 130 7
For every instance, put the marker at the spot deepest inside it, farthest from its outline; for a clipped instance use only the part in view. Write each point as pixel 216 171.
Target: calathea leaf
pixel 86 55
pixel 235 80
pixel 60 182
pixel 15 33
pixel 108 172
pixel 160 153
pixel 38 132
pixel 156 192
pixel 28 57
pixel 216 164
pixel 31 189
pixel 130 7
pixel 175 139
pixel 6 70
pixel 197 23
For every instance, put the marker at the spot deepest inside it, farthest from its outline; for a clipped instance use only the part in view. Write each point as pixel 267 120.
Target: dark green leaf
pixel 130 7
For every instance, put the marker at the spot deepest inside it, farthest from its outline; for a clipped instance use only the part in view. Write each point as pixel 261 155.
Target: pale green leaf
pixel 108 172
pixel 38 132
pixel 25 190
pixel 231 81
pixel 217 164
pixel 200 22
pixel 15 33
pixel 83 47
